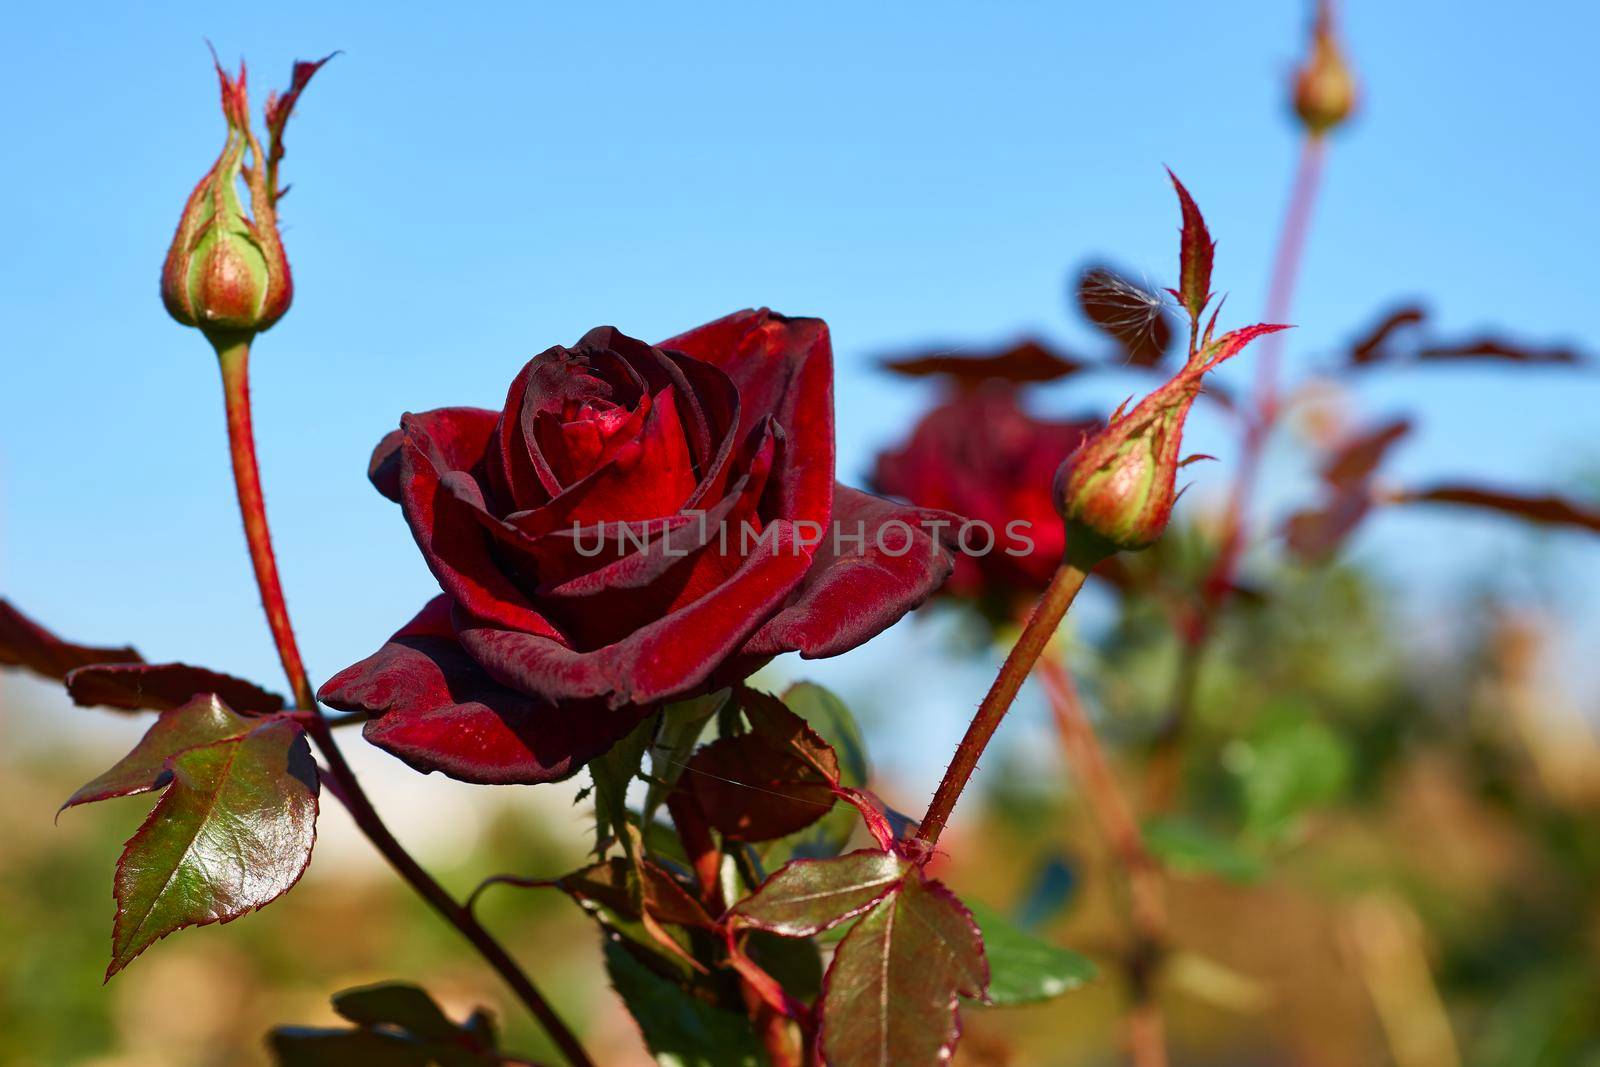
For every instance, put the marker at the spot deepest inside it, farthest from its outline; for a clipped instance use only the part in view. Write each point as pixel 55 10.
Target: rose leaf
pixel 679 1029
pixel 398 1025
pixel 891 993
pixel 24 643
pixel 1022 968
pixel 205 720
pixel 232 833
pixel 806 897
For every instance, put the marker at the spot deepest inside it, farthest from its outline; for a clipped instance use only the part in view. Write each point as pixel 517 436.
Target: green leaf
pixel 612 774
pixel 399 1025
pixel 1022 968
pixel 232 833
pixel 680 1030
pixel 205 720
pixel 831 719
pixel 806 897
pixel 793 961
pixel 890 995
pixel 1189 848
pixel 681 726
pixel 1289 765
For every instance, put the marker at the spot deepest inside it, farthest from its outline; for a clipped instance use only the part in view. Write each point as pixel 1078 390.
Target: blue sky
pixel 472 185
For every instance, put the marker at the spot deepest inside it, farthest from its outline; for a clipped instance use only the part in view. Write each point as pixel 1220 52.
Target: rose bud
pixel 226 273
pixel 1324 88
pixel 1117 490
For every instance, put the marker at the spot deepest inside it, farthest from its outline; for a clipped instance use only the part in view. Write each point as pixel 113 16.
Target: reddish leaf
pixel 891 993
pixel 162 686
pixel 751 790
pixel 1232 343
pixel 771 718
pixel 617 886
pixel 1026 361
pixel 1377 345
pixel 806 897
pixel 278 110
pixel 1548 510
pixel 1134 317
pixel 1493 348
pixel 206 720
pixel 1315 534
pixel 232 833
pixel 1380 345
pixel 399 1025
pixel 1196 250
pixel 24 643
pixel 1357 458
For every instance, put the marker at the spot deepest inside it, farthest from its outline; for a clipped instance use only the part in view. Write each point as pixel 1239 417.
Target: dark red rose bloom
pixel 980 455
pixel 636 525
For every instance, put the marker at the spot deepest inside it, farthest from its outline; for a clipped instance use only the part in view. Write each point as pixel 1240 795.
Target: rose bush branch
pixel 1323 97
pixel 227 275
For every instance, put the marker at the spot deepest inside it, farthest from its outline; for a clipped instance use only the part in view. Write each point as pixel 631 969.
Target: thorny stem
pixel 1141 874
pixel 234 357
pixel 1200 626
pixel 1047 615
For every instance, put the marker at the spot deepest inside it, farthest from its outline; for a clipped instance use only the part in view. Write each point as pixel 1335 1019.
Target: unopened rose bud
pixel 1116 492
pixel 1324 88
pixel 226 273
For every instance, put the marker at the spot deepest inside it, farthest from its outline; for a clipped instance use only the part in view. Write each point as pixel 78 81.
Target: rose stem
pixel 1146 898
pixel 1198 629
pixel 1047 615
pixel 234 358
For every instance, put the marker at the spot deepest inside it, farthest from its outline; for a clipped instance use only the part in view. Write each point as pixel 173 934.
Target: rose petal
pixel 648 477
pixel 666 658
pixel 708 547
pixel 854 593
pixel 782 367
pixel 383 469
pixel 437 710
pixel 559 380
pixel 443 518
pixel 657 370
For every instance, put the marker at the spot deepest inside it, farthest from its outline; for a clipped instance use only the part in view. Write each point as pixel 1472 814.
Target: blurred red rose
pixel 980 455
pixel 638 524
